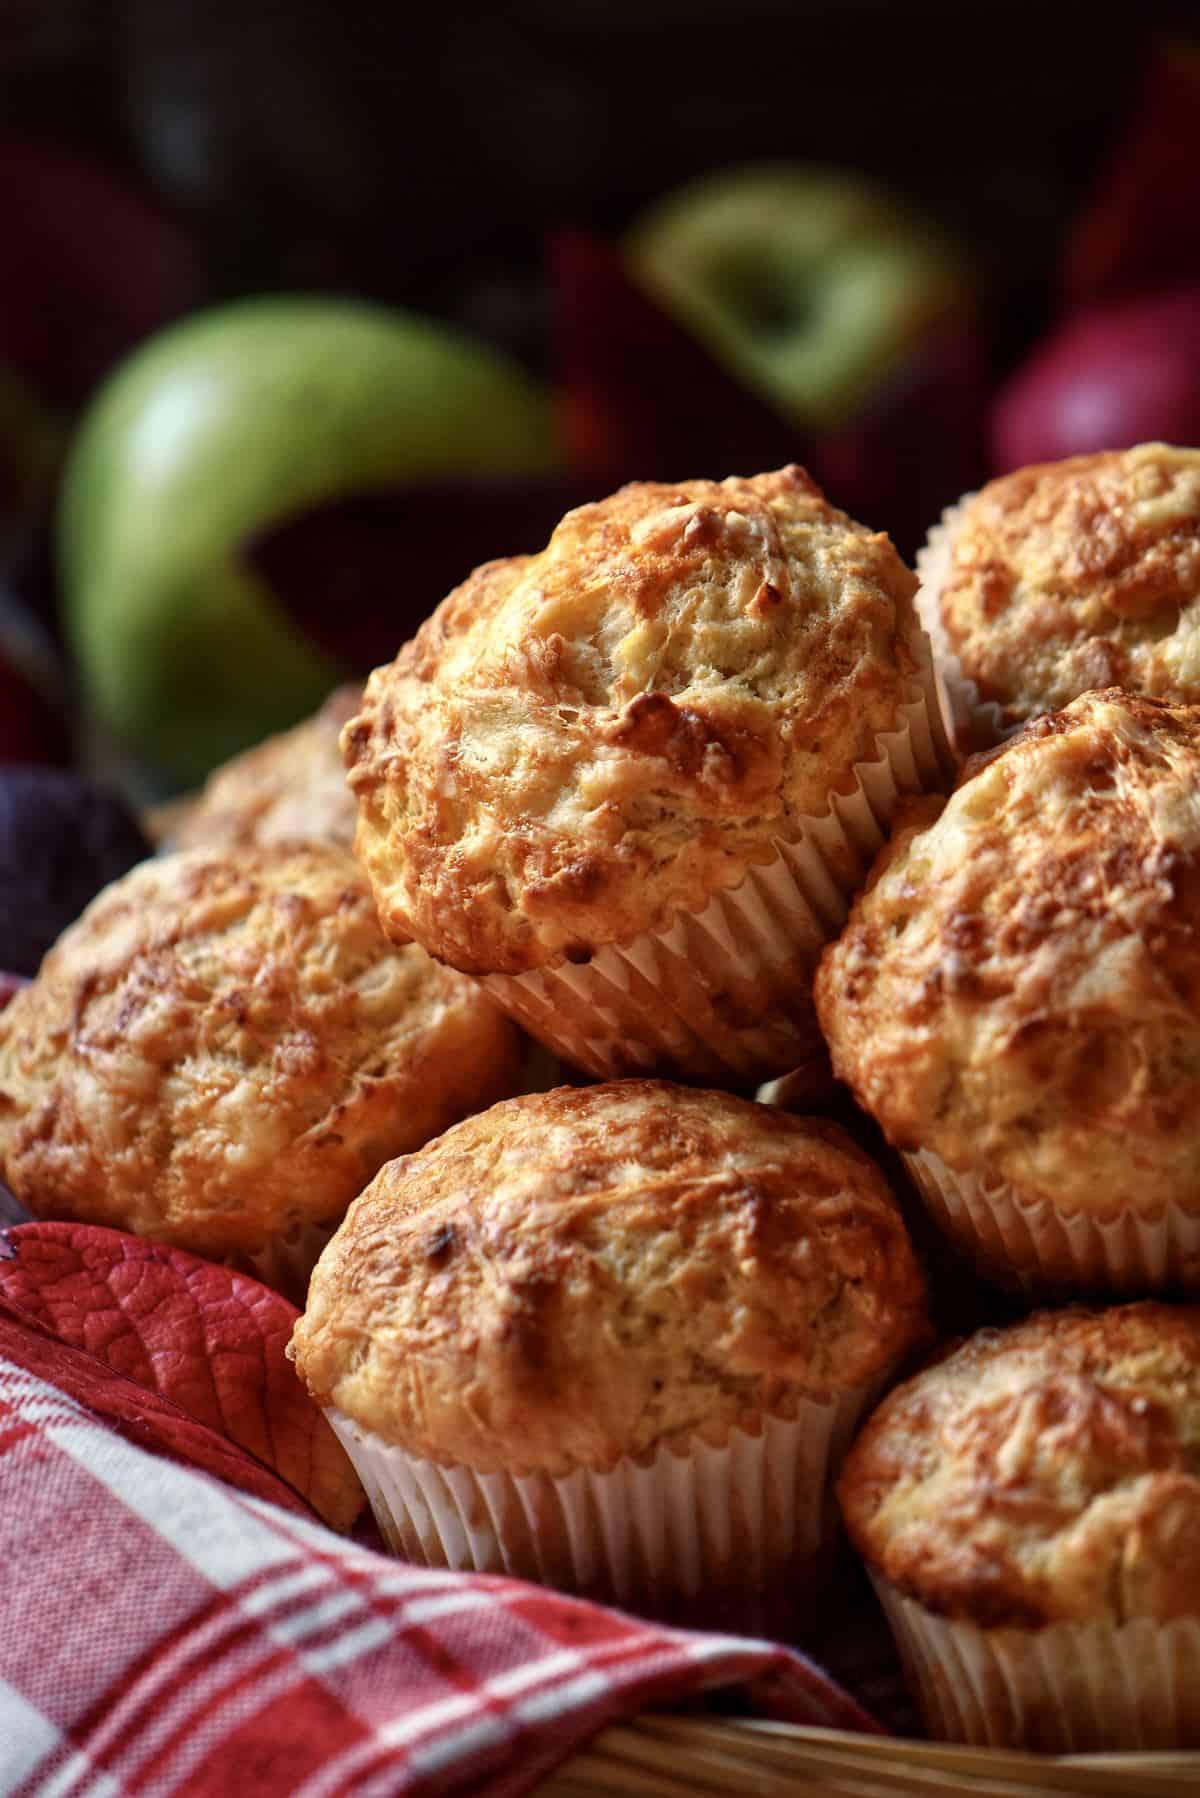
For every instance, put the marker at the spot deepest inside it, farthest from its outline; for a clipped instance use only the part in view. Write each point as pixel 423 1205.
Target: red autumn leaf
pixel 141 1416
pixel 207 1339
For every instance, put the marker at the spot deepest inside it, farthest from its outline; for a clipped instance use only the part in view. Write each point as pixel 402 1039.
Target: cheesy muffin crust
pixel 579 744
pixel 1043 1473
pixel 1073 575
pixel 225 1046
pixel 580 1275
pixel 290 789
pixel 1018 988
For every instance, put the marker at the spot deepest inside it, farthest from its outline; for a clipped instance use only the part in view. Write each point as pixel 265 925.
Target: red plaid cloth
pixel 162 1631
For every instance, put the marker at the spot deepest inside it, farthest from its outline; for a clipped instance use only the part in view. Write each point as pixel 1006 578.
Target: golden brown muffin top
pixel 583 1274
pixel 1018 988
pixel 1046 1472
pixel 290 789
pixel 226 1045
pixel 580 743
pixel 1077 574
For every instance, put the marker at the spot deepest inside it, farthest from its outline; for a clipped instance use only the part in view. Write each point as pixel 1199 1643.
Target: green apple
pixel 219 428
pixel 807 282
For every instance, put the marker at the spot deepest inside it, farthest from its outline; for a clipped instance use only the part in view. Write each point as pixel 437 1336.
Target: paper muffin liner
pixel 286 1262
pixel 973 723
pixel 736 1536
pixel 724 994
pixel 1065 1688
pixel 1028 1243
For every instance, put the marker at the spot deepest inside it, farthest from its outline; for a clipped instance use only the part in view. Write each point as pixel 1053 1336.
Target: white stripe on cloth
pixel 198 1735
pixel 306 1618
pixel 198 1718
pixel 33 1400
pixel 172 1674
pixel 501 1686
pixel 573 1694
pixel 346 1771
pixel 197 1515
pixel 487 1731
pixel 198 1706
pixel 388 1577
pixel 432 1757
pixel 27 1736
pixel 450 1604
pixel 320 1661
pixel 193 1693
pixel 287 1585
pixel 583 1690
pixel 201 1519
pixel 185 1703
pixel 211 1529
pixel 181 1699
pixel 68 1777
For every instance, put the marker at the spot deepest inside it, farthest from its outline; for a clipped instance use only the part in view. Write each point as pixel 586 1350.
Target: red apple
pixel 90 267
pixel 642 397
pixel 1141 226
pixel 1113 375
pixel 917 442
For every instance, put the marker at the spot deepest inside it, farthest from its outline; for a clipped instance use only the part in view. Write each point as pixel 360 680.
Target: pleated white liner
pixel 973 723
pixel 661 1001
pixel 1031 1243
pixel 1067 1688
pixel 749 1523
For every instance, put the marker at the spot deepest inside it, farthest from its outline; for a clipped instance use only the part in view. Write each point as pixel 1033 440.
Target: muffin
pixel 224 1049
pixel 1064 577
pixel 1016 1000
pixel 632 782
pixel 292 788
pixel 1029 1509
pixel 615 1339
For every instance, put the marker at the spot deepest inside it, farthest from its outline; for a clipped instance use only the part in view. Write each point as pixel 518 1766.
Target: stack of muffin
pixel 671 795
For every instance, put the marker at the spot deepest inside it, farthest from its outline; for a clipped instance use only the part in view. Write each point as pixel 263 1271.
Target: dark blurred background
pixel 421 159
pixel 483 168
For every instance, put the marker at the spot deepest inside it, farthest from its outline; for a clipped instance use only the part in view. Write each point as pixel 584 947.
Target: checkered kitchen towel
pixel 163 1630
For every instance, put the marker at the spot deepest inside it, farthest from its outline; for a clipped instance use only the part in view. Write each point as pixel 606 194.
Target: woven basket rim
pixel 662 1755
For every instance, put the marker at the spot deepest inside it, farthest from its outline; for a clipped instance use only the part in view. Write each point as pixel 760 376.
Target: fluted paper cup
pixel 724 994
pixel 1067 1688
pixel 973 723
pixel 736 1536
pixel 1029 1243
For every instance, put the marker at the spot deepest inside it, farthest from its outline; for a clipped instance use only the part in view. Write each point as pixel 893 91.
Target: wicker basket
pixel 687 1757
